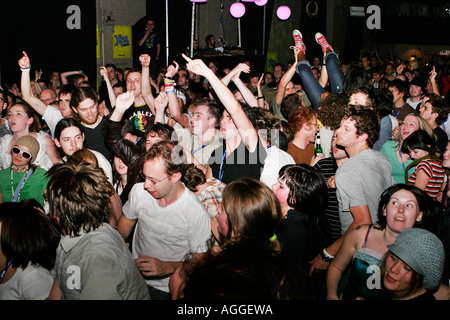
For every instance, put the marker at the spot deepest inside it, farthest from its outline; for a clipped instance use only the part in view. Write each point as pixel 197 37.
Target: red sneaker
pixel 320 39
pixel 298 41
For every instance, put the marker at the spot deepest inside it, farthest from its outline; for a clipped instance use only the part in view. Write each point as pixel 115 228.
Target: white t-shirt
pixel 51 117
pixel 413 104
pixel 104 164
pixel 275 160
pixel 31 283
pixel 167 233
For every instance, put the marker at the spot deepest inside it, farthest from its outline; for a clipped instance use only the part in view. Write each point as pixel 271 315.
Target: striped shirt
pixel 328 169
pixel 434 170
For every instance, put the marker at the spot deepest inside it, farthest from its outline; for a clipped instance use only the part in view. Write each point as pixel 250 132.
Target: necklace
pixel 19 169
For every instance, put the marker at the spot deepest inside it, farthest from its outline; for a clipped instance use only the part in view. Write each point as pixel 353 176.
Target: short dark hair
pixel 308 189
pixel 66 123
pixel 426 204
pixel 441 108
pixel 208 38
pixel 79 196
pixel 366 122
pixel 419 139
pixel 290 103
pixel 214 109
pixel 401 86
pixel 27 235
pixel 111 65
pixel 66 89
pixel 383 102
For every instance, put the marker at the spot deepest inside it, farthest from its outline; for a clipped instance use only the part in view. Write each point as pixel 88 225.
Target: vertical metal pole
pixel 239 32
pixel 167 31
pixel 192 30
pixel 264 30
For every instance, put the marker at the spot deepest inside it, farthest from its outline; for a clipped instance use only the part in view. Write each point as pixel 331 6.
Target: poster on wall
pixel 272 59
pixel 97 42
pixel 122 42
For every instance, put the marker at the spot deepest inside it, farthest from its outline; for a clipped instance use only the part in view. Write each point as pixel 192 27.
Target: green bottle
pixel 318 146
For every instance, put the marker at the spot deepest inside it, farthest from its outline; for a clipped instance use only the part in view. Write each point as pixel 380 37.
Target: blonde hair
pixel 423 125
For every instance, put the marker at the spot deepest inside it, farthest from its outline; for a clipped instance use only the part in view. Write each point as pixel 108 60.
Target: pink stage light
pixel 260 2
pixel 237 10
pixel 283 12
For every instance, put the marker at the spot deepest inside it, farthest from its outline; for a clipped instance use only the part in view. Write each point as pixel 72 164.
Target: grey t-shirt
pixel 360 181
pixel 98 266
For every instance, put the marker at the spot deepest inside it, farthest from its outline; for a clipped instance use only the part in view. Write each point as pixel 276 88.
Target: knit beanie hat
pixel 423 252
pixel 31 143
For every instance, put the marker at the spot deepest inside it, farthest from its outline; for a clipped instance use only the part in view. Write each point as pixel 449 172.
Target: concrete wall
pixel 120 13
pixel 208 22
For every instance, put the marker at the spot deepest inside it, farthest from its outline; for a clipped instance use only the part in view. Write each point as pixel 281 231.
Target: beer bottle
pixel 318 146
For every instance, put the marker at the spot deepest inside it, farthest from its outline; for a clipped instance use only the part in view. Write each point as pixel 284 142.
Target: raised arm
pixel 146 85
pixel 111 94
pixel 323 79
pixel 25 86
pixel 161 103
pixel 124 101
pixel 434 84
pixel 66 74
pixel 261 99
pixel 287 76
pixel 174 107
pixel 246 93
pixel 243 124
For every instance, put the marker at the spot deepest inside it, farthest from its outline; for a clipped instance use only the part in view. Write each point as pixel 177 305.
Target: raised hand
pixel 24 62
pixel 161 101
pixel 196 66
pixel 104 73
pixel 241 67
pixel 433 74
pixel 124 101
pixel 172 70
pixel 145 60
pixel 260 80
pixel 38 74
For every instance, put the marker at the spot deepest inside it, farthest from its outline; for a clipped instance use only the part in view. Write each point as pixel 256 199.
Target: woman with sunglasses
pixel 23 121
pixel 23 180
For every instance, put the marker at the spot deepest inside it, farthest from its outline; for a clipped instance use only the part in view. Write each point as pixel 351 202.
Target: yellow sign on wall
pixel 122 42
pixel 98 43
pixel 272 59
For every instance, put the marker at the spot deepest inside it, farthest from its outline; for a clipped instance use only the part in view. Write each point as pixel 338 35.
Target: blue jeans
pixel 335 75
pixel 310 84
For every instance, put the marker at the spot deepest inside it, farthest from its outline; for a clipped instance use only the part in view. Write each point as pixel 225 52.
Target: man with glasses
pixel 172 222
pixel 48 96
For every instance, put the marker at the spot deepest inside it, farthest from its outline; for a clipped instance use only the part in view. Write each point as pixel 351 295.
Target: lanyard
pixel 403 164
pixel 221 165
pixel 200 148
pixel 4 270
pixel 396 116
pixel 18 191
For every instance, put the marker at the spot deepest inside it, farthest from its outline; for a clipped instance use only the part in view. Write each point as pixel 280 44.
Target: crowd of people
pixel 199 183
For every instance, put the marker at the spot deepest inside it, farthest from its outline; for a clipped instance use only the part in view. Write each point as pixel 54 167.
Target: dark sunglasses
pixel 26 155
